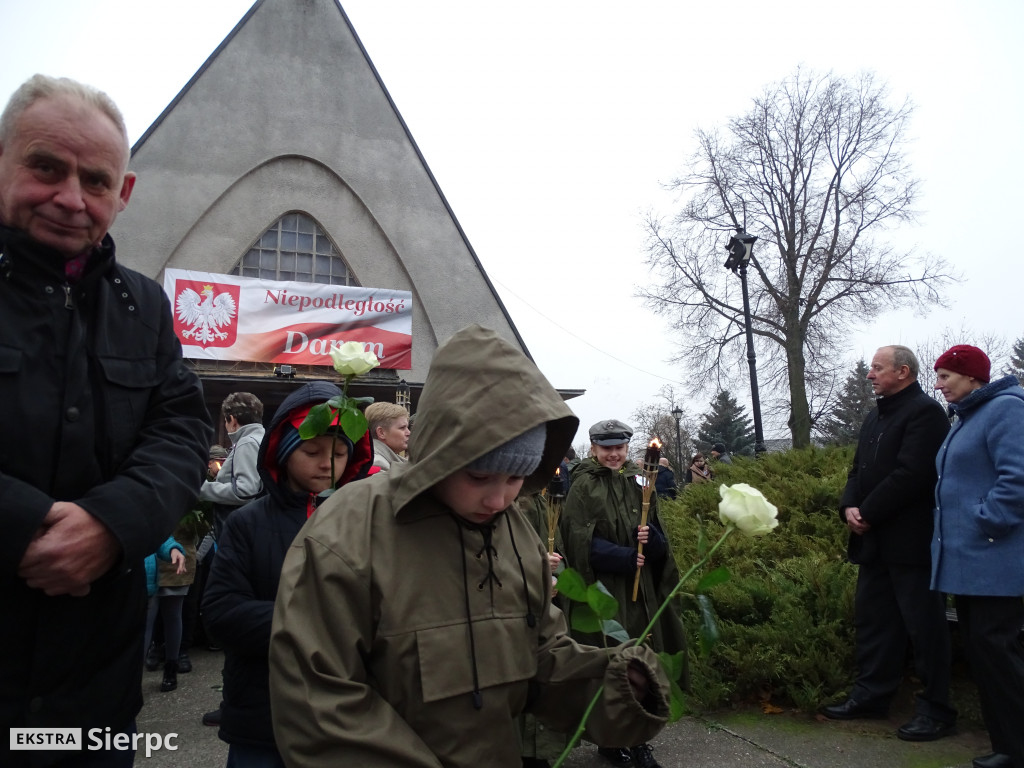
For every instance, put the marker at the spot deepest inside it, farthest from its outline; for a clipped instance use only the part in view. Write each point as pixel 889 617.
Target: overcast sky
pixel 551 128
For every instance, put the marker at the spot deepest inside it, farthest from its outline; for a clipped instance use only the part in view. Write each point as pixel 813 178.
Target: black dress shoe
pixel 154 657
pixel 615 755
pixel 212 718
pixel 924 728
pixel 995 760
pixel 184 663
pixel 643 757
pixel 854 710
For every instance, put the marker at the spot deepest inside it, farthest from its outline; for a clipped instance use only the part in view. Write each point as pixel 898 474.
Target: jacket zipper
pixel 68 301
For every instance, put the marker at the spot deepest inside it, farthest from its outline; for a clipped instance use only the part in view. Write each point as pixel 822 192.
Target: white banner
pixel 225 317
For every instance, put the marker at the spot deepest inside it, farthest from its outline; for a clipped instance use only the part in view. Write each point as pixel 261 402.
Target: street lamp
pixel 677 414
pixel 740 246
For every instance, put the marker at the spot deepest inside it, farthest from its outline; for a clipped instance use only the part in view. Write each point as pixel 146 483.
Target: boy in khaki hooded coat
pixel 414 620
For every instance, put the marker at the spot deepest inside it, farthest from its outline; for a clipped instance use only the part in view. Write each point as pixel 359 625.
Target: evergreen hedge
pixel 786 614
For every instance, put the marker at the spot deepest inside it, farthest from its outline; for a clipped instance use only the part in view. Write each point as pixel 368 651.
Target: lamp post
pixel 740 247
pixel 677 414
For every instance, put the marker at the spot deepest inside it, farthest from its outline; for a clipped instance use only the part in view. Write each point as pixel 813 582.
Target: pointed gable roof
pixel 289 114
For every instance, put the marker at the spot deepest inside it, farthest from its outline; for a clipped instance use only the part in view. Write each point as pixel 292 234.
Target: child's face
pixel 309 467
pixel 478 496
pixel 611 456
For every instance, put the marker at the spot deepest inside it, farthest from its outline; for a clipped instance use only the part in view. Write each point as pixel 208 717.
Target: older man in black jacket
pixel 105 432
pixel 887 505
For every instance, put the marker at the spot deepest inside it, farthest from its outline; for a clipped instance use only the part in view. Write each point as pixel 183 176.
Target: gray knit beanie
pixel 520 456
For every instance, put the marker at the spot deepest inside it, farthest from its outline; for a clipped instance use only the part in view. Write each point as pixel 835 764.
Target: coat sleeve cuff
pixel 620 719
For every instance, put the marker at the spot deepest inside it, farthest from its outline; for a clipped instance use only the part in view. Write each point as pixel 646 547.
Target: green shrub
pixel 786 614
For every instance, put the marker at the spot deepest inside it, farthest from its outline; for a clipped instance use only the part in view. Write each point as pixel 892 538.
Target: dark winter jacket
pixel 238 603
pixel 96 407
pixel 665 484
pixel 892 479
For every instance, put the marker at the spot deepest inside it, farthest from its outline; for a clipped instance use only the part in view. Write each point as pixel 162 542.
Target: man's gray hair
pixel 905 356
pixel 44 87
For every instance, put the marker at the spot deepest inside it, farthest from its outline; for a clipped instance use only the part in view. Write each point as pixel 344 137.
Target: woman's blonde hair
pixel 383 415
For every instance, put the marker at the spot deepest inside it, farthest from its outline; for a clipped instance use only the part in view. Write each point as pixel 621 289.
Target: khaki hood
pixel 480 393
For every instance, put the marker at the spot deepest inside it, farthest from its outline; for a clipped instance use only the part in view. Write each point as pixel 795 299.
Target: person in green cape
pixel 601 530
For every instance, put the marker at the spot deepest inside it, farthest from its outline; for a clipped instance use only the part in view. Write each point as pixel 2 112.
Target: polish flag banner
pixel 226 317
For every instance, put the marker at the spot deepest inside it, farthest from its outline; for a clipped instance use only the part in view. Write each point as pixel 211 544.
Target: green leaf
pixel 712 579
pixel 702 540
pixel 317 421
pixel 709 634
pixel 674 666
pixel 353 423
pixel 601 601
pixel 571 585
pixel 361 400
pixel 338 402
pixel 615 631
pixel 584 619
pixel 677 708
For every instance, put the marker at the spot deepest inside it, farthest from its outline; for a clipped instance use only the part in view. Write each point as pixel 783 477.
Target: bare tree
pixel 994 345
pixel 657 420
pixel 814 169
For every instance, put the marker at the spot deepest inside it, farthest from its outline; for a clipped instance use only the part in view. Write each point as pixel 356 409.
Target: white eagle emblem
pixel 205 314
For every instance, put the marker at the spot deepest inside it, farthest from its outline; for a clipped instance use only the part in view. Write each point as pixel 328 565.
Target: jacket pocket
pixel 505 654
pixel 130 373
pixel 127 386
pixel 10 360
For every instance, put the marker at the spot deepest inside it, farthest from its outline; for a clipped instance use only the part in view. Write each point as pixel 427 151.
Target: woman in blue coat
pixel 978 541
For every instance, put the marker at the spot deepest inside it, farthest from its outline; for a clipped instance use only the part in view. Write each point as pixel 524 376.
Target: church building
pixel 284 160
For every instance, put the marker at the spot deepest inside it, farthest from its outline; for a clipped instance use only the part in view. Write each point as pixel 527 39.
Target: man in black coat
pixel 105 431
pixel 665 484
pixel 887 505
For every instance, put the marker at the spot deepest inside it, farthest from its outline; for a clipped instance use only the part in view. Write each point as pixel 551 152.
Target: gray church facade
pixel 284 157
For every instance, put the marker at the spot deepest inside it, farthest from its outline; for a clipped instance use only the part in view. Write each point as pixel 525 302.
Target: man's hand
pixel 855 522
pixel 70 551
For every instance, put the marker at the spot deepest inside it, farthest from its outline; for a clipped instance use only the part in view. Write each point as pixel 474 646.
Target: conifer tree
pixel 727 422
pixel 842 425
pixel 1016 364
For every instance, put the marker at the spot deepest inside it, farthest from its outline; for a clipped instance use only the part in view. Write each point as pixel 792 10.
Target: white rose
pixel 350 359
pixel 746 507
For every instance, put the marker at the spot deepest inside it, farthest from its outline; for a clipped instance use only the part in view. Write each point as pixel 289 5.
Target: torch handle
pixel 640 546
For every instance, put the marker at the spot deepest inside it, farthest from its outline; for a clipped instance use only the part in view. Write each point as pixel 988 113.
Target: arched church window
pixel 296 248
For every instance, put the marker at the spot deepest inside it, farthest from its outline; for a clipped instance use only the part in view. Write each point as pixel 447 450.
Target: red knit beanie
pixel 965 359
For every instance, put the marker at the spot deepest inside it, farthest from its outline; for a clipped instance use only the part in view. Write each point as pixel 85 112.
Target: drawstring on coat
pixel 491 577
pixel 531 620
pixel 478 697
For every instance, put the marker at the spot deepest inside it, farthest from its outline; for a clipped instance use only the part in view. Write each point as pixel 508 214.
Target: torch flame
pixel 652 455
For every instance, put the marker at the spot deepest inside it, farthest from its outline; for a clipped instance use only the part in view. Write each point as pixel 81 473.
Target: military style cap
pixel 610 432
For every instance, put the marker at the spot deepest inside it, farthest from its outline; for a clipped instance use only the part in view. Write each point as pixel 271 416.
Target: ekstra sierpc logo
pixel 96 739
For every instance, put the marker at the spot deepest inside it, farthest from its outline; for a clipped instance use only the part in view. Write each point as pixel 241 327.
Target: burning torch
pixel 650 473
pixel 554 497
